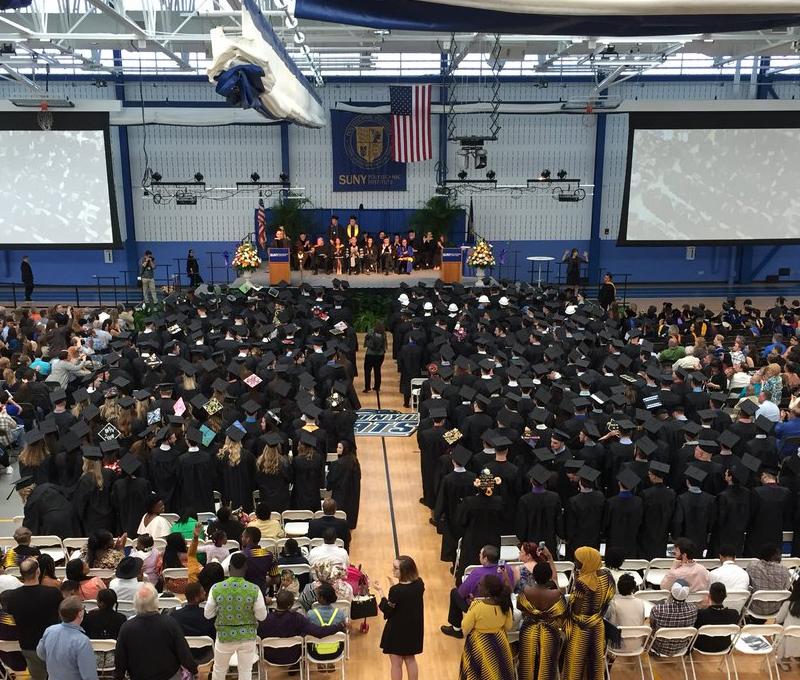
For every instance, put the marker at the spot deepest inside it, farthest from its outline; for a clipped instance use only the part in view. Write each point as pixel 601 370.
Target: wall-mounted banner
pixel 362 153
pixel 385 423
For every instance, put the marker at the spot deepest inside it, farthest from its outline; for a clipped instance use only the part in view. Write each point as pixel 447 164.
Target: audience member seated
pixel 228 523
pixel 88 586
pixel 8 633
pixel 7 581
pixel 613 560
pixel 217 551
pixel 104 623
pixel 126 579
pixel 694 574
pixel 326 572
pixel 152 522
pixel 151 645
pixel 626 610
pixel 789 615
pixel 269 528
pixel 262 567
pixel 47 571
pixel 715 614
pixel 676 612
pixel 150 556
pixel 23 549
pixel 329 551
pixel 323 613
pixel 317 526
pixel 102 551
pixel 193 622
pixel 729 573
pixel 767 573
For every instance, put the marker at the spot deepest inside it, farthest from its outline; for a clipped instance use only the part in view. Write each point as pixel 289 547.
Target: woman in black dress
pixel 344 481
pixel 404 612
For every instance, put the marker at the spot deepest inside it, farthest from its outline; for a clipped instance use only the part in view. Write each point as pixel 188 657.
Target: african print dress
pixel 540 639
pixel 586 637
pixel 487 654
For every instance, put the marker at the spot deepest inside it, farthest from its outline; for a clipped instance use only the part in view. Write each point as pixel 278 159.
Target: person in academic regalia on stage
pixel 539 512
pixel 658 509
pixel 309 473
pixel 695 511
pixel 624 514
pixel 129 496
pixel 92 499
pixel 344 481
pixel 197 472
pixel 455 487
pixel 274 475
pixel 480 522
pixel 733 510
pixel 584 518
pixel 236 471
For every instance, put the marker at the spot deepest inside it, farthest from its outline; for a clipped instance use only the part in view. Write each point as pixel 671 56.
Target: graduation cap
pixel 129 464
pixel 646 445
pixel 539 474
pixel 80 395
pixel 628 478
pixel 438 412
pixel 625 424
pixel 467 393
pixel 764 424
pixel 741 473
pixel 573 464
pixel 48 426
pixel 57 396
pixel 659 469
pixel 728 439
pixel 748 407
pixel 108 432
pixel 251 407
pixel 306 380
pixel 708 446
pixel 273 439
pixel 691 427
pixel 311 410
pixel 497 440
pixel 252 380
pixel 544 455
pixel 80 429
pixel 91 452
pixel 69 441
pixel 141 395
pixel 220 385
pixel 208 434
pixel 212 406
pixel 33 436
pixel 461 455
pixel 280 387
pixel 719 397
pixel 126 402
pixel 695 474
pixel 20 484
pixel 208 365
pixel 539 415
pixel 174 419
pixel 120 382
pixel 588 474
pixel 308 438
pixel 110 446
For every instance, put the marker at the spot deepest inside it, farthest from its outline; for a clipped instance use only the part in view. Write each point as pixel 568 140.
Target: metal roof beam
pixel 18 77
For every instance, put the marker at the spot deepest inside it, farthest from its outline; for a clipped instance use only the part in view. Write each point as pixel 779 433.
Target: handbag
pixel 613 634
pixel 363 606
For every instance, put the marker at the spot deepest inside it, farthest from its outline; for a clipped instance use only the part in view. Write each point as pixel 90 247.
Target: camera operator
pixel 147 271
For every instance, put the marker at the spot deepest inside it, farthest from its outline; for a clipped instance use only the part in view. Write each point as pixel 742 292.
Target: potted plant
pixel 291 214
pixel 437 215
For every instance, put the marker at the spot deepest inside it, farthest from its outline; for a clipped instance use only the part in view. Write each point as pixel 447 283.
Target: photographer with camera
pixel 147 270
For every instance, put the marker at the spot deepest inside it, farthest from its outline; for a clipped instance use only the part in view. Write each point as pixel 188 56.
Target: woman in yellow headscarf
pixel 592 591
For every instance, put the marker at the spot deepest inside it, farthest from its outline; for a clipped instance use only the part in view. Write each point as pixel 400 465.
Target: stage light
pixel 544 174
pixel 283 177
pixel 156 176
pixel 299 38
pixel 491 175
pixel 462 175
pixel 562 174
pixel 255 177
pixel 198 177
pixel 480 159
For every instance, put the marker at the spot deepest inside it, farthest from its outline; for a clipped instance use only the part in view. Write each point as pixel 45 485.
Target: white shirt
pixel 330 553
pixel 769 409
pixel 8 582
pixel 125 588
pixel 732 575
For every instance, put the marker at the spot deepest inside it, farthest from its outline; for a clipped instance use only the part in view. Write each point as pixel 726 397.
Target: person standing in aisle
pixel 193 269
pixel 147 272
pixel 375 349
pixel 607 294
pixel 26 273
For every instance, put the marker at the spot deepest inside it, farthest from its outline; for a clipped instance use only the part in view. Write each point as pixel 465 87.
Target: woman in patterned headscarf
pixel 326 572
pixel 591 594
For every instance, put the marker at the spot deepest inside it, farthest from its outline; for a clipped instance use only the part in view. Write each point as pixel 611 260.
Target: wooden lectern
pixel 279 266
pixel 451 265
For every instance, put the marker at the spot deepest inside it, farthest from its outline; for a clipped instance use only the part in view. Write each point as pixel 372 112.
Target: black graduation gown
pixel 432 447
pixel 198 476
pixel 584 520
pixel 344 483
pixel 93 507
pixel 659 507
pixel 48 512
pixel 695 516
pixel 624 514
pixel 409 361
pixel 309 478
pixel 510 490
pixel 539 517
pixel 274 489
pixel 66 469
pixel 455 487
pixel 480 520
pixel 733 515
pixel 164 476
pixel 129 496
pixel 238 481
pixel 771 515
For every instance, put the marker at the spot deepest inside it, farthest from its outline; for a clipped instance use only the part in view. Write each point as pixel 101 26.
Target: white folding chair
pixel 650 598
pixel 49 545
pixel 71 544
pixel 205 518
pixel 175 573
pixel 468 570
pixel 791 562
pixel 102 573
pixel 9 646
pixel 275 516
pixel 341 638
pixel 509 548
pixel 201 642
pixel 737 599
pixel 268 544
pixel 636 565
pixel 298 569
pixel 697 597
pixel 295 522
pixel 266 644
pixel 761 640
pixel 339 514
pixel 160 543
pixel 791 632
pixel 89 605
pixel 166 604
pixel 316 542
pixel 562 571
pixel 771 598
pixel 331 457
pixel 126 607
pixel 684 635
pixel 106 648
pixel 629 633
pixel 302 542
pixel 657 569
pixel 7 542
pixel 171 517
pixel 731 632
pixel 61 572
pixel 416 389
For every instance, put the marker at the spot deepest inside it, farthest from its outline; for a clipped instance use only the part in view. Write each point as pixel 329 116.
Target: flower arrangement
pixel 246 257
pixel 481 255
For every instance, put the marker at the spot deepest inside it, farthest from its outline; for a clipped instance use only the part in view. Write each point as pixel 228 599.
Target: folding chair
pixel 650 598
pixel 509 548
pixel 166 604
pixel 160 543
pixel 71 544
pixel 771 597
pixel 657 569
pixel 202 642
pixel 126 607
pixel 267 543
pixel 685 635
pixel 737 599
pixel 731 632
pixel 302 542
pixel 171 517
pixel 206 517
pixel 256 498
pixel 337 661
pixel 641 633
pixel 416 389
pixel 562 569
pixel 106 648
pixel 298 569
pixel 102 573
pixel 339 514
pixel 50 545
pixel 175 573
pixel 469 569
pixel 281 643
pixel 9 646
pixel 788 632
pixel 316 542
pixel 761 640
pixel 295 522
pixel 331 457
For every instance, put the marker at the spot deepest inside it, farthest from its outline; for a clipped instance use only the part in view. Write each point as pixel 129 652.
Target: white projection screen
pixel 56 186
pixel 711 178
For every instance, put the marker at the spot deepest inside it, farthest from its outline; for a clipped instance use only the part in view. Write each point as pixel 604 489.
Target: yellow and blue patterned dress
pixel 540 639
pixel 586 637
pixel 487 654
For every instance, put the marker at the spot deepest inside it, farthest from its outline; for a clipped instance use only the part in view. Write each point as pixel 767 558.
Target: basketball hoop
pixel 45 116
pixel 588 119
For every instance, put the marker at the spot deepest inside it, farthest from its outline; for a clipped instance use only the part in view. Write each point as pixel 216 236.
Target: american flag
pixel 261 226
pixel 411 123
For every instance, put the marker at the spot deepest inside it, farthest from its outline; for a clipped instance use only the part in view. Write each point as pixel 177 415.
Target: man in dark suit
pixel 26 274
pixel 316 527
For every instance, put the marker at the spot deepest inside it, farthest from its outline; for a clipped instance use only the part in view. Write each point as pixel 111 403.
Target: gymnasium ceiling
pixel 171 37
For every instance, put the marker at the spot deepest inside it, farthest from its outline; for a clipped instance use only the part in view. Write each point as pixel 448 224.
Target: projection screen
pixel 56 186
pixel 711 178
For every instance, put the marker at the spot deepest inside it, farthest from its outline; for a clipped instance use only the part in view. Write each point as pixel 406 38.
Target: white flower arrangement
pixel 246 257
pixel 481 255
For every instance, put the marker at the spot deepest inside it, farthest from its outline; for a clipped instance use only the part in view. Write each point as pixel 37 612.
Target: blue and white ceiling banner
pixel 287 94
pixel 565 17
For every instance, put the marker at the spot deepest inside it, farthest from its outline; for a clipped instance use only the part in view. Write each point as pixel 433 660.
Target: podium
pixel 279 266
pixel 451 265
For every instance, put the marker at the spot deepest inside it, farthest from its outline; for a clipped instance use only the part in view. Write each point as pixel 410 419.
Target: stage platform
pixel 426 276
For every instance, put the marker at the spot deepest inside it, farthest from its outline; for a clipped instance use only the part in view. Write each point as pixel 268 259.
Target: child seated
pixel 217 552
pixel 149 555
pixel 323 613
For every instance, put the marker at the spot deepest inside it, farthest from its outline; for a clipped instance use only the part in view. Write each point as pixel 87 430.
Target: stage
pixel 426 276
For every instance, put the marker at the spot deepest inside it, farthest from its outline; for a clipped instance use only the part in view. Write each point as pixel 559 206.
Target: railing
pixel 106 291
